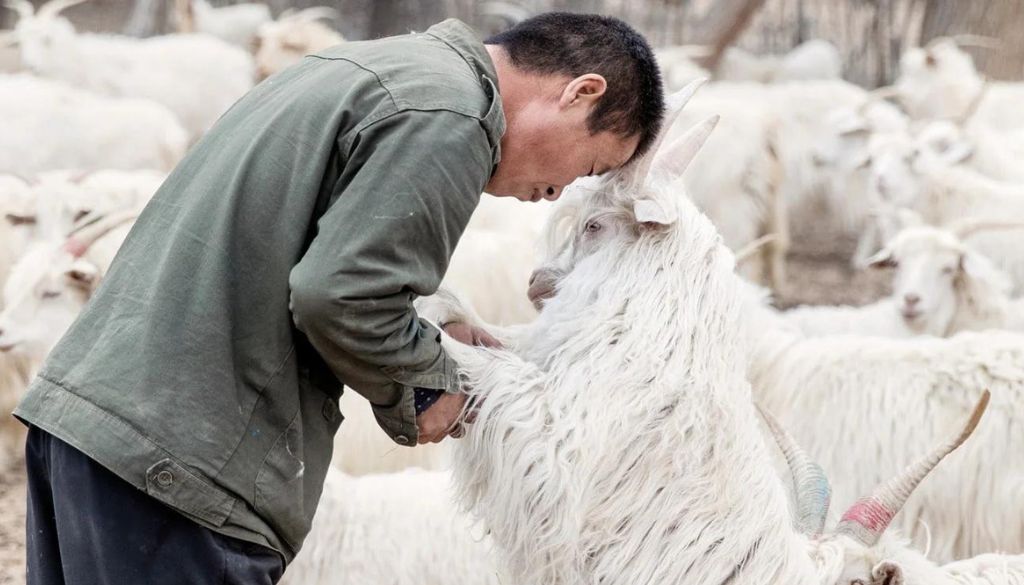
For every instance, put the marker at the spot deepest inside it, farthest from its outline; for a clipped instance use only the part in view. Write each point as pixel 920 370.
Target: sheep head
pixel 936 275
pixel 858 551
pixel 639 199
pixel 40 33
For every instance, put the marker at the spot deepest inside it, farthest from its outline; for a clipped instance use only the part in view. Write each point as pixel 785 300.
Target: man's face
pixel 547 145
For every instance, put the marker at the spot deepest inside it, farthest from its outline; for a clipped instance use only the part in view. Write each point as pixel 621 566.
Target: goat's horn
pixel 86 235
pixel 867 519
pixel 674 105
pixel 55 7
pixel 813 492
pixel 744 253
pixel 881 93
pixel 968 227
pixel 23 8
pixel 982 41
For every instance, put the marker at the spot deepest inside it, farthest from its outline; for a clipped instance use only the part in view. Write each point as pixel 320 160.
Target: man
pixel 182 429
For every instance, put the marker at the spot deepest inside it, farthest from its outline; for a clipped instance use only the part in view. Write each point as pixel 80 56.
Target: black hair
pixel 574 44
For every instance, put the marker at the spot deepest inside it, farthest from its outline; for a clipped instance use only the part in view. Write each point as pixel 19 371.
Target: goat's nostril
pixel 533 278
pixel 911 299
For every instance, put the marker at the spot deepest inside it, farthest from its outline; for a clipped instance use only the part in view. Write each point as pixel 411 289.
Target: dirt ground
pixel 818 273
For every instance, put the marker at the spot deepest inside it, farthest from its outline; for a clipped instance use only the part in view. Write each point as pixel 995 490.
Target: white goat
pixel 51 125
pixel 293 35
pixel 52 281
pixel 812 60
pixel 944 194
pixel 235 23
pixel 163 69
pixel 943 286
pixel 574 460
pixel 939 81
pixel 864 406
pixel 17 221
pixel 678 68
pixel 399 529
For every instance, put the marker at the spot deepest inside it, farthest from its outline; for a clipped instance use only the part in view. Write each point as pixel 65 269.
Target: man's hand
pixel 470 335
pixel 441 418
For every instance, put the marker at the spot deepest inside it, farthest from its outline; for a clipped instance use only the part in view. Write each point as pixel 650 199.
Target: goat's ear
pixel 887 573
pixel 882 259
pixel 82 273
pixel 953 151
pixel 653 212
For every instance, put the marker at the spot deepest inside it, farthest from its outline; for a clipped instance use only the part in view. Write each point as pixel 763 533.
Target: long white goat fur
pixel 865 406
pixel 617 448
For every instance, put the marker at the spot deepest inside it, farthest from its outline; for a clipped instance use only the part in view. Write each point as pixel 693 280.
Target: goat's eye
pixel 51 294
pixel 593 226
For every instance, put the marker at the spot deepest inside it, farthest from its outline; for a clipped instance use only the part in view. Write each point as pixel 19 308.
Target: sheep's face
pixel 894 177
pixel 44 294
pixel 927 264
pixel 40 38
pixel 938 81
pixel 590 220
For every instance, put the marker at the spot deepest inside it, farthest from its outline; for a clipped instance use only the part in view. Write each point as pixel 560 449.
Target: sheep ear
pixel 650 211
pixel 887 573
pixel 82 273
pixel 956 151
pixel 882 259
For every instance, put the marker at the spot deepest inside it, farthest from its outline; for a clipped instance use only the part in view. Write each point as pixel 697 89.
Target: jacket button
pixel 402 440
pixel 165 478
pixel 330 411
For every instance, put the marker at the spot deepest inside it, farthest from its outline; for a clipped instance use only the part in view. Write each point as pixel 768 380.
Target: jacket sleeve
pixel 409 185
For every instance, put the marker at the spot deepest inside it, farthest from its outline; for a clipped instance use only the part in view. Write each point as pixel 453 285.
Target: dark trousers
pixel 86 526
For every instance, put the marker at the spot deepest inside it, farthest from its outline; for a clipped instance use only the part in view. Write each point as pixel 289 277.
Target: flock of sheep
pixel 618 436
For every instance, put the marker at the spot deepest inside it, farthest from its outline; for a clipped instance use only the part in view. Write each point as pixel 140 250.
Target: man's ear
pixel 586 88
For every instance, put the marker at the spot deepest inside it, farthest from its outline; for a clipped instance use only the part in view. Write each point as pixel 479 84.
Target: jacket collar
pixel 463 40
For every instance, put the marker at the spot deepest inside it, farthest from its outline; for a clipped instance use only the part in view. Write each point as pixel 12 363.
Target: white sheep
pixel 198 77
pixel 52 125
pixel 942 286
pixel 398 528
pixel 812 60
pixel 283 42
pixel 902 176
pixel 619 448
pixel 864 406
pixel 235 23
pixel 939 81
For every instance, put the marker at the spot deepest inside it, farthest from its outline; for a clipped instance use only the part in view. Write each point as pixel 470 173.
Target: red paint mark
pixel 870 514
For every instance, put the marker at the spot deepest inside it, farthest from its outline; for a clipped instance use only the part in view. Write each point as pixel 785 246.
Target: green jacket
pixel 278 261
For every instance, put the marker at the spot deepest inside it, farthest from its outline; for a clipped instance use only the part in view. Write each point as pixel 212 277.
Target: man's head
pixel 582 95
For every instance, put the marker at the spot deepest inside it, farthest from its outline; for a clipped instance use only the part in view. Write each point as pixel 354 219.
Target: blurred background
pixel 870 34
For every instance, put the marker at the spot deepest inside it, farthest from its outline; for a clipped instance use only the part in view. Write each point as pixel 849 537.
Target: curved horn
pixel 966 228
pixel 867 519
pixel 813 492
pixel 86 235
pixel 747 251
pixel 23 8
pixel 982 41
pixel 674 105
pixel 55 7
